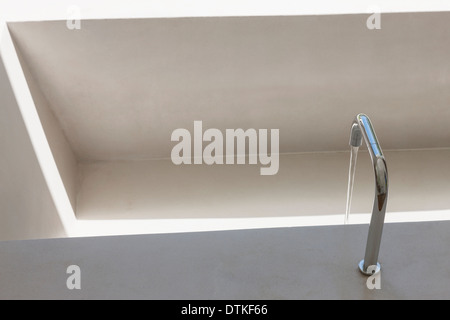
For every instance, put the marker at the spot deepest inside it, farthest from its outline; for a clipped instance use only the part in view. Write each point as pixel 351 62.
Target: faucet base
pixel 369 271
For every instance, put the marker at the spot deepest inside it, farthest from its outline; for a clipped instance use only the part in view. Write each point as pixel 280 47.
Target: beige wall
pixel 116 89
pixel 120 87
pixel 61 150
pixel 27 209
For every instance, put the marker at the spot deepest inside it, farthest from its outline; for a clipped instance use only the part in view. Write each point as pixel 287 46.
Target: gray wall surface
pixel 284 263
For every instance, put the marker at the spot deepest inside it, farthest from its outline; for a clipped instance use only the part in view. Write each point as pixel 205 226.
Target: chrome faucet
pixel 362 128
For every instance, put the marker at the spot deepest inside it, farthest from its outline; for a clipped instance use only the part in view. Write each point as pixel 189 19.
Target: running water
pixel 351 179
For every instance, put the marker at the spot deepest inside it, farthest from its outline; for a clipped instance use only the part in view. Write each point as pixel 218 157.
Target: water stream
pixel 351 179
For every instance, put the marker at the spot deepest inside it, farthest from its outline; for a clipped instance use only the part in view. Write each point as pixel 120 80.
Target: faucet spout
pixel 362 129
